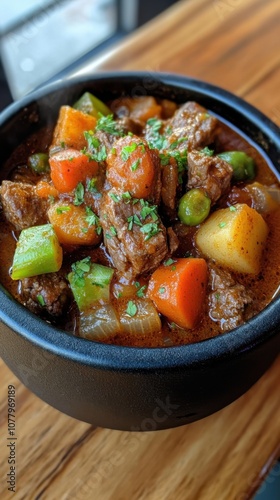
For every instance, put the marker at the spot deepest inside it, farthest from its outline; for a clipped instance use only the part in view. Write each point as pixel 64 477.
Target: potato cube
pixel 234 237
pixel 70 128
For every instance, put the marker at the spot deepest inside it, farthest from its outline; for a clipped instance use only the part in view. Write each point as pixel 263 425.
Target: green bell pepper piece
pixel 37 252
pixel 90 283
pixel 91 105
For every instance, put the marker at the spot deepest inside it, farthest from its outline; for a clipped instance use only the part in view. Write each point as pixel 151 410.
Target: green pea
pixel 242 164
pixel 39 163
pixel 194 207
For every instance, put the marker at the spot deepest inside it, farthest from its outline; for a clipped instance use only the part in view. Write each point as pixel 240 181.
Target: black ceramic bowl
pixel 123 387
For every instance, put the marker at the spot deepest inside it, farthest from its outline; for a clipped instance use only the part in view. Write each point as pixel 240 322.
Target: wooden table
pixel 234 44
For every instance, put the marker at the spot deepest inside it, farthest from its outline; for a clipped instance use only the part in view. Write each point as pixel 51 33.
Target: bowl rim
pixel 251 335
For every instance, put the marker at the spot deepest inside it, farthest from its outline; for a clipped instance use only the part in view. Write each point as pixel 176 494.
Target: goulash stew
pixel 140 223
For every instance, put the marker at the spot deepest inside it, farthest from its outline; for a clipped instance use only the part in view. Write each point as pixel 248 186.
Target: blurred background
pixel 41 40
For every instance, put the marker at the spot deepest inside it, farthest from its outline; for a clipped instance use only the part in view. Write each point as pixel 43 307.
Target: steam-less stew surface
pixel 140 222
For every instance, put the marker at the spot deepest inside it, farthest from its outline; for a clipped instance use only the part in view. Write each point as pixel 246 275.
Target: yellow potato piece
pixel 70 128
pixel 234 237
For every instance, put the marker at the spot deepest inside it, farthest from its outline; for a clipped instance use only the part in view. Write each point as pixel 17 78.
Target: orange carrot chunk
pixel 130 166
pixel 74 225
pixel 178 290
pixel 70 128
pixel 69 167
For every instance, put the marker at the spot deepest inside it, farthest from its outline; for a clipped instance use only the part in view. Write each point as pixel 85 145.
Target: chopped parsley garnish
pixel 135 165
pixel 127 150
pixel 109 125
pixel 156 140
pixel 148 210
pixel 168 262
pixel 155 124
pixel 93 220
pixel 115 197
pixel 141 292
pixel 161 290
pixel 206 151
pixel 176 143
pixel 96 150
pixel 113 231
pixel 131 309
pixel 91 185
pixel 79 269
pixel 222 224
pixel 79 194
pixel 232 208
pixel 62 209
pixel 41 300
pixel 150 229
pixel 126 196
pixel 133 219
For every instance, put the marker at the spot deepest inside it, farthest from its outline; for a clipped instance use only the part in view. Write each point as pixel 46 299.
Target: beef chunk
pixel 128 124
pixel 227 299
pixel 46 293
pixel 170 183
pixel 21 206
pixel 194 122
pixel 210 173
pixel 132 251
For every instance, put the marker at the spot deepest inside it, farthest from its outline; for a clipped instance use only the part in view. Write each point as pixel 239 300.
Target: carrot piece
pixel 130 166
pixel 46 190
pixel 178 290
pixel 69 167
pixel 70 128
pixel 73 225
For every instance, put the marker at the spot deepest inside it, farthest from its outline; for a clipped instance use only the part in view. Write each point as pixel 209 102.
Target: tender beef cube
pixel 132 251
pixel 173 241
pixel 46 293
pixel 170 183
pixel 227 300
pixel 128 124
pixel 105 139
pixel 21 206
pixel 194 122
pixel 210 173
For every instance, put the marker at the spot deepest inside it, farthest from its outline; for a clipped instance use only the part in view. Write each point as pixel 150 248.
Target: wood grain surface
pixel 234 44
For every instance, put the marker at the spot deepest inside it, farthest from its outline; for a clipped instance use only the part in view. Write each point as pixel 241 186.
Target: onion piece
pixel 144 322
pixel 99 322
pixel 265 199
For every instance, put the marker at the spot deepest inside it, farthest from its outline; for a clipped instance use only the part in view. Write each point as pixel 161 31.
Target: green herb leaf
pixel 206 151
pixel 135 165
pixel 109 125
pixel 80 268
pixel 41 300
pixel 131 309
pixel 115 197
pixel 93 220
pixel 79 194
pixel 62 209
pixel 141 292
pixel 168 262
pixel 127 150
pixel 150 230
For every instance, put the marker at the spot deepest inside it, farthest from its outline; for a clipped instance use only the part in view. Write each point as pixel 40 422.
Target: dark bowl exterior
pixel 136 388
